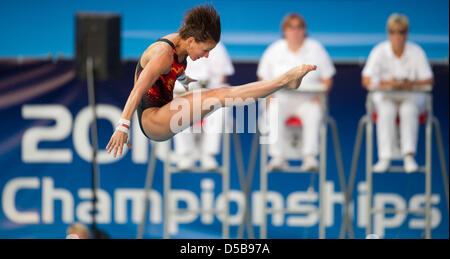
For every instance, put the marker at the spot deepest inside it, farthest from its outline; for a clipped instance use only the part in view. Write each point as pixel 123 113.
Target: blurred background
pixel 41 98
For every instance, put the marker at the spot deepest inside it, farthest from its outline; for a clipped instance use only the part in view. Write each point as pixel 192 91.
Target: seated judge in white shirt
pixel 400 65
pixel 293 49
pixel 211 73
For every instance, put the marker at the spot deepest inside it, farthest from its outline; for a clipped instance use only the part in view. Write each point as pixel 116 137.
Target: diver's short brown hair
pixel 202 23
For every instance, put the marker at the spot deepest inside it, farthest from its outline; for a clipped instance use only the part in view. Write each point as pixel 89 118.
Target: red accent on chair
pixel 422 118
pixel 293 121
pixel 200 123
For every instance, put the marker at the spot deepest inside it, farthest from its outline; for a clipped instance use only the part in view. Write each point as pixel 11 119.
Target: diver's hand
pixel 185 81
pixel 119 138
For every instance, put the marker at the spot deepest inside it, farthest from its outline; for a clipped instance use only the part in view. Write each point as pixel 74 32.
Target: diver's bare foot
pixel 295 75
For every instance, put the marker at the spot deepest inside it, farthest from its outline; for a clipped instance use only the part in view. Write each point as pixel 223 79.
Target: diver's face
pixel 198 50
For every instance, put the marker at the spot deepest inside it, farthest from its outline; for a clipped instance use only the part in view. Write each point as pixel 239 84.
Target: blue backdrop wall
pixel 348 29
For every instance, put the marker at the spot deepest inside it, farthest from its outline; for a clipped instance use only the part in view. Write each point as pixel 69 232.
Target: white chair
pixel 294 146
pixel 366 124
pixel 170 168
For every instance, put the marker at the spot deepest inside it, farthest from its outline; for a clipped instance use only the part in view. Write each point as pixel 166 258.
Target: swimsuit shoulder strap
pixel 167 41
pixel 184 62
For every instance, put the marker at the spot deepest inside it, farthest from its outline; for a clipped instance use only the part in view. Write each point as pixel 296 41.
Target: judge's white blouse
pixel 413 65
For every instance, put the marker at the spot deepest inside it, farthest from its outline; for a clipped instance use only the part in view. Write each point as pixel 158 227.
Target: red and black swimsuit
pixel 161 92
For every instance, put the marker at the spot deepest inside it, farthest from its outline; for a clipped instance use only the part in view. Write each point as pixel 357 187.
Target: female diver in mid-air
pixel 164 61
